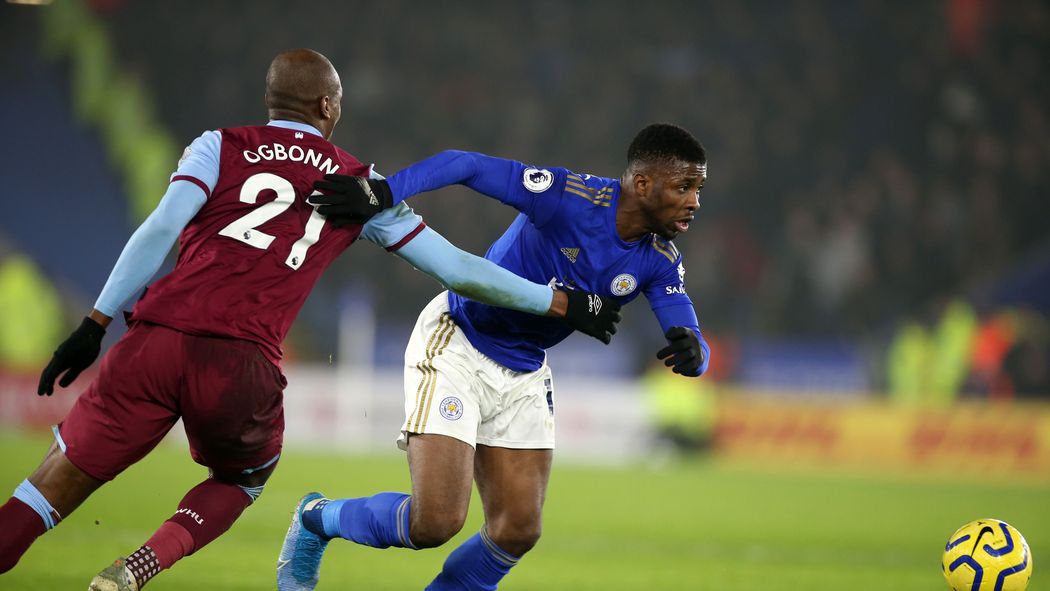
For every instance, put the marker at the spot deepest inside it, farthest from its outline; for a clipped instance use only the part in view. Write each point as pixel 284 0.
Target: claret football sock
pixel 169 543
pixel 476 565
pixel 205 513
pixel 209 509
pixel 25 517
pixel 22 526
pixel 380 521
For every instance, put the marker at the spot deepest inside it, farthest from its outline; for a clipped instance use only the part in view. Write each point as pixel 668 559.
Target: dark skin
pixel 659 198
pixel 302 86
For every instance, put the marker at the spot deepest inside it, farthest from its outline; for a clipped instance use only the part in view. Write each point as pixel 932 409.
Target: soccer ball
pixel 987 555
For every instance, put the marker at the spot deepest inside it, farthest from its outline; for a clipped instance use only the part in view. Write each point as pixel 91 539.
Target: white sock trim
pixel 28 494
pixel 58 438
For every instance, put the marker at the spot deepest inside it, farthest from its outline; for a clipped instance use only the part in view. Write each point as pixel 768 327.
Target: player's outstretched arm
pixel 349 199
pixel 592 314
pixel 354 200
pixel 486 282
pixel 141 258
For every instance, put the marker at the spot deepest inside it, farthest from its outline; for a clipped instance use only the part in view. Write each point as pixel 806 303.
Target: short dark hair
pixel 663 143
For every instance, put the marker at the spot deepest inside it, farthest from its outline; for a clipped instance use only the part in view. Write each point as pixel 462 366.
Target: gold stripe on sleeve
pixel 660 248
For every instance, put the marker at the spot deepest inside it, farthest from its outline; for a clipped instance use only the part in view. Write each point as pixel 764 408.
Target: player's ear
pixel 326 107
pixel 642 183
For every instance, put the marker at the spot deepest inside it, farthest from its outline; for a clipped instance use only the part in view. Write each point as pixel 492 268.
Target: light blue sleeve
pixel 391 226
pixel 472 276
pixel 401 231
pixel 200 159
pixel 145 251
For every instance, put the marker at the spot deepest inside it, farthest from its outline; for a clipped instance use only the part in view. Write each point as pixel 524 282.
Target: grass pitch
pixel 686 525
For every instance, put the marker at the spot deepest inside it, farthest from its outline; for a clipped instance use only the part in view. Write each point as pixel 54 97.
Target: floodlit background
pixel 871 263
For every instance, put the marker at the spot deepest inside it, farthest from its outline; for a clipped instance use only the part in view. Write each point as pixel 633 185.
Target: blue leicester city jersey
pixel 566 237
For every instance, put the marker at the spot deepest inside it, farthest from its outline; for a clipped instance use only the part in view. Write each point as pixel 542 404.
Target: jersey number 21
pixel 245 227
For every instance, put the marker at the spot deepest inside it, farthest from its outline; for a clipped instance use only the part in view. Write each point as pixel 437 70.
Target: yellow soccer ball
pixel 987 555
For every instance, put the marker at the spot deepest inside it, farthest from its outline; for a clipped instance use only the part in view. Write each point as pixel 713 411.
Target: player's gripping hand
pixel 73 356
pixel 351 199
pixel 683 351
pixel 592 314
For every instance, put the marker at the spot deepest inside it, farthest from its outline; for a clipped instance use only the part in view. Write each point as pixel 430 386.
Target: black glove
pixel 75 354
pixel 683 352
pixel 593 315
pixel 351 199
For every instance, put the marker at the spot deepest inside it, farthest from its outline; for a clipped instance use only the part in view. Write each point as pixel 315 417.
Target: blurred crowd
pixel 866 158
pixel 1000 354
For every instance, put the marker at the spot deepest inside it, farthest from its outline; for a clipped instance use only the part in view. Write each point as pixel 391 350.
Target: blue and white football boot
pixel 299 565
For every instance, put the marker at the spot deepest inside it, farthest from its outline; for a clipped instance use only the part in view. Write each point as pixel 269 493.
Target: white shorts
pixel 452 389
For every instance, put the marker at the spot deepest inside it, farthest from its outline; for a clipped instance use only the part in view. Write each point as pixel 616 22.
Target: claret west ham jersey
pixel 251 255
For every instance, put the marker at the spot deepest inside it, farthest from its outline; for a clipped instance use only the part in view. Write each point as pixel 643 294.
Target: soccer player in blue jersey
pixel 478 391
pixel 204 343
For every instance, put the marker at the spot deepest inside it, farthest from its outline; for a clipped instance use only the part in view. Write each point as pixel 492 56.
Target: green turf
pixel 695 525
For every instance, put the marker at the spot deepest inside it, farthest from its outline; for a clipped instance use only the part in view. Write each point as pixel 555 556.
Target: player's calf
pixel 207 511
pixel 379 521
pixel 478 564
pixel 26 516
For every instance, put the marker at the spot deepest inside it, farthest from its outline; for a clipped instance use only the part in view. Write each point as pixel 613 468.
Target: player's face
pixel 673 197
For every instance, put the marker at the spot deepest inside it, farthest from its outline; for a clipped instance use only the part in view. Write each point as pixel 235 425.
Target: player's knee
pixel 251 486
pixel 515 537
pixel 252 483
pixel 431 531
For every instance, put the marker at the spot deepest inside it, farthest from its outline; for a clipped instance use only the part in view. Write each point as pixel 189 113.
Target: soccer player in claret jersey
pixel 204 342
pixel 478 391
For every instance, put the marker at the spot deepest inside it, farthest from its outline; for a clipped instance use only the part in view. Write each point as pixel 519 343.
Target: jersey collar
pixel 295 125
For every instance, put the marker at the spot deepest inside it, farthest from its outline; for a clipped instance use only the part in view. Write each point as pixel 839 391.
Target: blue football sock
pixel 380 521
pixel 477 565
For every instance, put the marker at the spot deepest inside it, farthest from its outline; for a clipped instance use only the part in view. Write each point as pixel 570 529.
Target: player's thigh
pixel 442 470
pixel 441 396
pixel 523 416
pixel 233 408
pixel 512 484
pixel 129 407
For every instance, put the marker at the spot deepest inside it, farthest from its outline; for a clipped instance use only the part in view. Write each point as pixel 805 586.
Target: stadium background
pixel 871 261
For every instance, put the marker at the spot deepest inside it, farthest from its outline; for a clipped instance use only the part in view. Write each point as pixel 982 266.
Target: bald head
pixel 302 85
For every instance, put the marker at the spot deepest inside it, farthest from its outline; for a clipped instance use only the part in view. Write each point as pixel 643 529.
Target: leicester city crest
pixel 451 408
pixel 623 284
